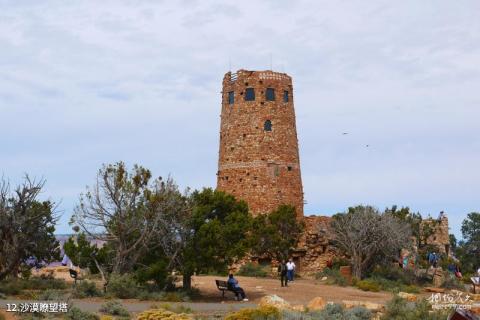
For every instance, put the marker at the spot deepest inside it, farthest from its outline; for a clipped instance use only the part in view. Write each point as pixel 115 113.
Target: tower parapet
pixel 258 158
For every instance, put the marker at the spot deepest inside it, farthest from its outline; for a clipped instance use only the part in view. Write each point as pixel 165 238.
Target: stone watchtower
pixel 258 159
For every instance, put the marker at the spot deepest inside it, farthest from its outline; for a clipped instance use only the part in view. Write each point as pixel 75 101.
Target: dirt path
pixel 298 292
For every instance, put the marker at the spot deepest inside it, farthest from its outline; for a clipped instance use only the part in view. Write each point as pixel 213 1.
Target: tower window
pixel 285 96
pixel 270 94
pixel 249 94
pixel 267 126
pixel 231 97
pixel 289 168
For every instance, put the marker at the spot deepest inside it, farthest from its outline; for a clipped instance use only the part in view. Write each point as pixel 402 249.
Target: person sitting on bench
pixel 233 283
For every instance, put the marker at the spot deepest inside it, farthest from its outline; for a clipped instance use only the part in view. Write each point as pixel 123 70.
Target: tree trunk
pixel 357 268
pixel 187 280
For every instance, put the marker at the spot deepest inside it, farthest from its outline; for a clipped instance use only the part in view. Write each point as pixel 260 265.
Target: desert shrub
pixel 50 294
pixel 260 313
pixel 162 314
pixel 177 296
pixel 76 314
pixel 397 274
pixel 376 284
pixel 368 285
pixel 252 270
pixel 145 295
pixel 16 286
pixel 399 309
pixel 86 289
pixel 11 287
pixel 333 277
pixel 114 308
pixel 451 282
pixel 44 283
pixel 122 286
pixel 177 308
pixel 3 296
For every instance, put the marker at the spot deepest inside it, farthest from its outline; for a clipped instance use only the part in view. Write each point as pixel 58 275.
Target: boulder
pixel 299 308
pixel 407 296
pixel 316 303
pixel 274 301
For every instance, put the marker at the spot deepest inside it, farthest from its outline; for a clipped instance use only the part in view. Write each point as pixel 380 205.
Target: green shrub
pixel 86 289
pixel 252 270
pixel 156 272
pixel 368 285
pixel 76 314
pixel 114 308
pixel 399 309
pixel 50 294
pixel 340 262
pixel 333 277
pixel 3 296
pixel 122 286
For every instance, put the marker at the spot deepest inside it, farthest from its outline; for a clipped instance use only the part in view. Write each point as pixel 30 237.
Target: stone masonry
pixel 258 158
pixel 259 162
pixel 438 235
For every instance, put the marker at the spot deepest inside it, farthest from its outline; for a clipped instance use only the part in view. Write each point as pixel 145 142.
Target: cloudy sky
pixel 89 82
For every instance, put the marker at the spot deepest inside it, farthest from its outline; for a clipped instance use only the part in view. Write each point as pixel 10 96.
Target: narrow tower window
pixel 270 94
pixel 285 96
pixel 231 97
pixel 267 126
pixel 249 94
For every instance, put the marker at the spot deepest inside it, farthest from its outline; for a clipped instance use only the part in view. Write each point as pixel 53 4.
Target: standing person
pixel 233 283
pixel 282 271
pixel 290 269
pixel 458 271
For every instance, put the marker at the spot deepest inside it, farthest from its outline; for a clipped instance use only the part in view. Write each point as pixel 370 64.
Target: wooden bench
pixel 223 286
pixel 74 275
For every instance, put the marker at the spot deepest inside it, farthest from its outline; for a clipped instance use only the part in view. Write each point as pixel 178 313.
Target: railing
pixel 233 77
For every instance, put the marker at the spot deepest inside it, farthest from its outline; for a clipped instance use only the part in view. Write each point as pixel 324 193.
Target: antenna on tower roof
pixel 229 64
pixel 271 63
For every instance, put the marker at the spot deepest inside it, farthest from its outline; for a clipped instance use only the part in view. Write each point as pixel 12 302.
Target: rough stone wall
pixel 261 167
pixel 315 248
pixel 439 237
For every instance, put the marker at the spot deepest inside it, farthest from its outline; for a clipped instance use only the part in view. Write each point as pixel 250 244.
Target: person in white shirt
pixel 290 269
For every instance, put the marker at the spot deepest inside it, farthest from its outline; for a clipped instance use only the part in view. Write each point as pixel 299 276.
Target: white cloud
pixel 84 83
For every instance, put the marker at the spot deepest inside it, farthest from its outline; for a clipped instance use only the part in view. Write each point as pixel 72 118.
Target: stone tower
pixel 258 158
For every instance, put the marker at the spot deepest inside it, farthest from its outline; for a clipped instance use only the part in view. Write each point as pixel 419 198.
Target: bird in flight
pixel 345 133
pixel 367 145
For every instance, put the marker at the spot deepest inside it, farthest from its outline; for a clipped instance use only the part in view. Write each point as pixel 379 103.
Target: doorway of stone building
pixel 298 264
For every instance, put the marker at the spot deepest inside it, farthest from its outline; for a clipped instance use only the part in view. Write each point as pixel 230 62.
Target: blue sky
pixel 89 82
